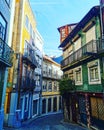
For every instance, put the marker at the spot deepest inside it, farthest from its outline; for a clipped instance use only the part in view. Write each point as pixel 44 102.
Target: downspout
pixel 19 73
pixel 102 17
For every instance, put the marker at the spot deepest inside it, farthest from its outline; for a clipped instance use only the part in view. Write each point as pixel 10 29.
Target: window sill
pixel 78 83
pixel 95 82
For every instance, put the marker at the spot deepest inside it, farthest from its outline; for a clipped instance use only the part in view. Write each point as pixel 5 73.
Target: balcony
pixel 27 83
pixel 91 49
pixel 29 57
pixel 6 54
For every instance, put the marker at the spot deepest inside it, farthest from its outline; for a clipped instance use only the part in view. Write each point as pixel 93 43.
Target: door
pixel 82 110
pixel 74 107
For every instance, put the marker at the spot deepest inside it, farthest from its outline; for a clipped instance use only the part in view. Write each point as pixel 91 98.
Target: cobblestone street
pixel 51 122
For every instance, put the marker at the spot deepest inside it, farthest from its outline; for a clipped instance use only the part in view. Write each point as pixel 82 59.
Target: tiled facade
pixel 84 63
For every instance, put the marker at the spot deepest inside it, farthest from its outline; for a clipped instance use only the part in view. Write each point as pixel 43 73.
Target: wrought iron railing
pixel 29 55
pixel 27 83
pixel 6 54
pixel 89 49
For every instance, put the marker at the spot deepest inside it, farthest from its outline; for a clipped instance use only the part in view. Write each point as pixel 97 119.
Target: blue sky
pixel 51 14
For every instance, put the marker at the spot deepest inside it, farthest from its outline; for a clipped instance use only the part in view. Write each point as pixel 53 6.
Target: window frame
pixel 49 86
pixel 78 69
pixel 44 85
pixel 3 18
pixel 93 65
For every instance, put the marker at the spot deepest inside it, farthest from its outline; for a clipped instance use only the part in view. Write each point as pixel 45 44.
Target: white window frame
pixel 49 86
pixel 92 65
pixel 79 68
pixel 71 74
pixel 44 86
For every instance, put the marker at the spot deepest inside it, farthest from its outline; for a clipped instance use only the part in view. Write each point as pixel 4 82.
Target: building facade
pixel 6 52
pixel 83 53
pixel 24 86
pixel 51 99
pixel 38 73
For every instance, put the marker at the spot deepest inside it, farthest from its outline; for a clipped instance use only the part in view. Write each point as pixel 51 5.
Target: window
pixel 49 105
pixel 3 25
pixel 33 35
pixel 78 76
pixel 54 73
pixel 55 86
pixel 45 69
pixel 31 30
pixel 90 34
pixel 44 106
pixel 24 70
pixel 50 72
pixel 94 72
pixel 26 48
pixel 50 86
pixel 97 108
pixel 44 85
pixel 55 104
pixel 70 75
pixel 63 33
pixel 27 22
pixel 35 103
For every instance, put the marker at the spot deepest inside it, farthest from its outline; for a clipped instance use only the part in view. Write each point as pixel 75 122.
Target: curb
pixel 74 124
pixel 37 117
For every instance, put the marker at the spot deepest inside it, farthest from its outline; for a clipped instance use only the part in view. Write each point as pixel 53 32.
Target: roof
pixel 93 12
pixel 47 58
pixel 66 25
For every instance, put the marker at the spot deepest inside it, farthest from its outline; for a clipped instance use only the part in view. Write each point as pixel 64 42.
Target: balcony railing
pixel 6 54
pixel 90 49
pixel 29 56
pixel 28 83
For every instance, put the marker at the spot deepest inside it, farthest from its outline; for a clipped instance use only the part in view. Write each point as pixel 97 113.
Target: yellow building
pixel 21 80
pixel 51 99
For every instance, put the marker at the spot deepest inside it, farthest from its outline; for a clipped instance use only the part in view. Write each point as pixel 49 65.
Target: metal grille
pixel 97 108
pixel 82 109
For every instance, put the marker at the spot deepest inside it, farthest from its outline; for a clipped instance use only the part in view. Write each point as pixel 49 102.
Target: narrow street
pixel 51 122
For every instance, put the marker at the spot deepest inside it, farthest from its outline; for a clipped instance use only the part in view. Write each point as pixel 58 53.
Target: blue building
pixel 6 53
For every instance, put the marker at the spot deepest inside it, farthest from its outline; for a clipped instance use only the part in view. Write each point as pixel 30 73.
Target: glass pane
pixel 96 73
pixel 2 27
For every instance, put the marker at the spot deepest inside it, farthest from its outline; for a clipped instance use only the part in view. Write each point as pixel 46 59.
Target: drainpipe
pixel 19 73
pixel 102 17
pixel 102 30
